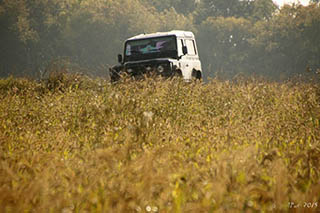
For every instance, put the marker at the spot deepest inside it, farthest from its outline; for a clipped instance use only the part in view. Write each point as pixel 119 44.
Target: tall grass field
pixel 77 144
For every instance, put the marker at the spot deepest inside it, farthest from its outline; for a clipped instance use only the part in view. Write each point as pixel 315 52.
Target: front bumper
pixel 138 70
pixel 159 69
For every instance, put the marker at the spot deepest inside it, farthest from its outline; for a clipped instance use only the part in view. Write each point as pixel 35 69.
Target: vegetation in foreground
pixel 74 144
pixel 233 36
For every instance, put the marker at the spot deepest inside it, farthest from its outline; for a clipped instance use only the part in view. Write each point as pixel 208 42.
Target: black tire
pixel 114 75
pixel 196 74
pixel 176 74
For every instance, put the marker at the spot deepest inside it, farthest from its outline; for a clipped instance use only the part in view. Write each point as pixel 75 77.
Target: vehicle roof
pixel 178 33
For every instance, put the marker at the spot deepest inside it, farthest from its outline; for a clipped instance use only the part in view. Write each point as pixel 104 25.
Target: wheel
pixel 176 73
pixel 114 75
pixel 196 74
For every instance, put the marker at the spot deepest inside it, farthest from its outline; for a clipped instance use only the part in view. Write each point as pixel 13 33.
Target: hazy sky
pixel 281 2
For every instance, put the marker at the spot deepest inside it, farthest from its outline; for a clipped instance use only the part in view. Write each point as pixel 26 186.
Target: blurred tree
pixel 289 42
pixel 233 35
pixel 15 31
pixel 181 6
pixel 308 22
pixel 88 32
pixel 251 9
pixel 262 10
pixel 224 44
pixel 224 8
pixel 171 20
pixel 37 25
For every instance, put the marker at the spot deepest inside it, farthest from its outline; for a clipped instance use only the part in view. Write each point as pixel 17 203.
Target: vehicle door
pixel 188 62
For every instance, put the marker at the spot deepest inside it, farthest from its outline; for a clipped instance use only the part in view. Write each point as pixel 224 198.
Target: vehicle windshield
pixel 158 47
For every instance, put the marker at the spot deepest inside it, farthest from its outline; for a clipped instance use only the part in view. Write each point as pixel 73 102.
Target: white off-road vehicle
pixel 167 54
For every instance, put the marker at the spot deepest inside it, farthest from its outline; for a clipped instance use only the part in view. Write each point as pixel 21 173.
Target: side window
pixel 191 47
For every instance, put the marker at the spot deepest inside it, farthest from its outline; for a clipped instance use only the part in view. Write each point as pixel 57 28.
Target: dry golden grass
pixel 75 144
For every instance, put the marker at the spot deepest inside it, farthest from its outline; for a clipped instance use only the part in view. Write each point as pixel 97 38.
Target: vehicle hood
pixel 149 61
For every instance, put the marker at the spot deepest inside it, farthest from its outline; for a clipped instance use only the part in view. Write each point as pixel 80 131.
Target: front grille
pixel 138 69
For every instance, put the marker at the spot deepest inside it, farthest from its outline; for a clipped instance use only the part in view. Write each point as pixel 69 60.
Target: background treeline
pixel 234 36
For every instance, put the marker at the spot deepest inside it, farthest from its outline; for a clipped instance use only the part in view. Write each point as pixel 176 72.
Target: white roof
pixel 178 33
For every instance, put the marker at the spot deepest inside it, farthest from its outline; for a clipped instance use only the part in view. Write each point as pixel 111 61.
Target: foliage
pixel 276 42
pixel 262 10
pixel 87 32
pixel 228 44
pixel 242 146
pixel 288 41
pixel 182 6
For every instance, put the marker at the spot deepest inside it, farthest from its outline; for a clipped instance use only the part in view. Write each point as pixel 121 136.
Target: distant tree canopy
pixel 248 36
pixel 181 6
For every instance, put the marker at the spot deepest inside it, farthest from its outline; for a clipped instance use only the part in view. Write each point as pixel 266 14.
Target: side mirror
pixel 184 50
pixel 120 58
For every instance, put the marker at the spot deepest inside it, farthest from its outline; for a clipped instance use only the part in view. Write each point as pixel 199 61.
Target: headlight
pixel 160 68
pixel 148 68
pixel 129 70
